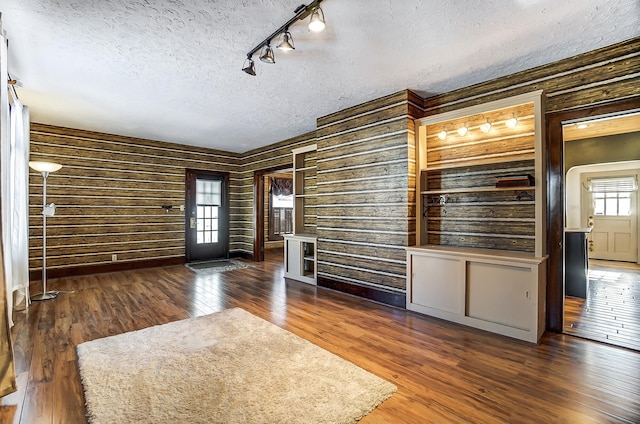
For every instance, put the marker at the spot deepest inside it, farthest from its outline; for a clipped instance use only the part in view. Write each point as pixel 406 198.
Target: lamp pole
pixel 45 168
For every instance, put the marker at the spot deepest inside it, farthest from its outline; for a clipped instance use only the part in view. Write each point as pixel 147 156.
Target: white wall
pixel 574 188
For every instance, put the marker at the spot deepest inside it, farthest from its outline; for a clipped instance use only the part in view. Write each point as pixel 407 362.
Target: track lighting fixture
pixel 442 134
pixel 486 127
pixel 287 42
pixel 316 24
pixel 512 122
pixel 462 131
pixel 267 55
pixel 249 67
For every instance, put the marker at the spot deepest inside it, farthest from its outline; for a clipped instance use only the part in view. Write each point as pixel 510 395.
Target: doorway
pixel 602 169
pixel 207 215
pixel 262 202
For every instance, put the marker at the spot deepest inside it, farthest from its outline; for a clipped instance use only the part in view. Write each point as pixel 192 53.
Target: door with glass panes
pixel 207 215
pixel 612 213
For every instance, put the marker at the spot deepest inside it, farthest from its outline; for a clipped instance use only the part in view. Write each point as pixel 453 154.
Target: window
pixel 612 204
pixel 612 196
pixel 280 208
pixel 208 201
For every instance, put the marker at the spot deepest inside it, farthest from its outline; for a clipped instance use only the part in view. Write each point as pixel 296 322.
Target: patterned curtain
pixel 281 186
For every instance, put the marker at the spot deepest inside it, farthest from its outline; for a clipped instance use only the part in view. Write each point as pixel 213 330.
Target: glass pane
pixel 611 208
pixel 208 192
pixel 624 206
pixel 200 213
pixel 200 237
pixel 207 212
pixel 200 225
pixel 207 225
pixel 214 237
pixel 207 237
pixel 598 206
pixel 214 224
pixel 214 212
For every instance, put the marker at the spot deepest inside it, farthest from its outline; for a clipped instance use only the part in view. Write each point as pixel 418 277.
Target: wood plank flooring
pixel 444 372
pixel 611 311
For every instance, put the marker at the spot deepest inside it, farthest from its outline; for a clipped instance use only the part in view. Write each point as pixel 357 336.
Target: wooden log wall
pixel 366 193
pixel 109 195
pixel 592 78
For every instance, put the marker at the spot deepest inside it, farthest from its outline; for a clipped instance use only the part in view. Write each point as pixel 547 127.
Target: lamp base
pixel 44 296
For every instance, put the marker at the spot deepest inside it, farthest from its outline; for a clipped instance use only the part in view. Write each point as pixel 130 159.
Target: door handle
pixel 192 223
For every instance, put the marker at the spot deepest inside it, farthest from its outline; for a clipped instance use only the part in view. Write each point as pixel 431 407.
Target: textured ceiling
pixel 170 69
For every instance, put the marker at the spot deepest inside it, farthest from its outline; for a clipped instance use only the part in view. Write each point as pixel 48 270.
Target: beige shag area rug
pixel 228 367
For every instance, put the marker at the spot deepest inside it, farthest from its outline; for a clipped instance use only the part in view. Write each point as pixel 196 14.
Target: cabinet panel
pixel 500 294
pixel 436 283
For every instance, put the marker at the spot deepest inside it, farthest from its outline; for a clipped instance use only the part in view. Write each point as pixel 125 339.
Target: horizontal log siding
pixel 365 195
pixel 596 77
pixel 109 195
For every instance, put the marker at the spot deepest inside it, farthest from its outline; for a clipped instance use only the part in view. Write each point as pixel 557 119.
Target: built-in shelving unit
pixel 481 226
pixel 301 246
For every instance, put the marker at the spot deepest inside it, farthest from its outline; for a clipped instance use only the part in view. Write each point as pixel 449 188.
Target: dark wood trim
pixel 555 201
pixel 36 275
pixel 258 206
pixel 242 255
pixel 376 295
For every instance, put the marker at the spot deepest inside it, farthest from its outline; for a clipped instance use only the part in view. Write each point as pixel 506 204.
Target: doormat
pixel 220 265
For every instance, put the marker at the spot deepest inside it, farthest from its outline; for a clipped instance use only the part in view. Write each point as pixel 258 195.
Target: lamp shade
pixel 267 55
pixel 287 42
pixel 44 166
pixel 249 67
pixel 317 22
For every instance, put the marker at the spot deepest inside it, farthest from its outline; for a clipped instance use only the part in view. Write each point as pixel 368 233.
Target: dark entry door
pixel 207 215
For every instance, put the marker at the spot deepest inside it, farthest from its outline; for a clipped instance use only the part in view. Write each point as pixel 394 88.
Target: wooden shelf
pixel 479 162
pixel 479 190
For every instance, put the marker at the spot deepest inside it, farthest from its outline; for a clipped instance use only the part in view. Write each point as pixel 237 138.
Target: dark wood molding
pixel 242 255
pixel 376 295
pixel 555 201
pixel 258 206
pixel 36 275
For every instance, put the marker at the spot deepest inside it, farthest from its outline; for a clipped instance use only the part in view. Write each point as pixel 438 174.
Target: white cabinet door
pixel 436 283
pixel 500 294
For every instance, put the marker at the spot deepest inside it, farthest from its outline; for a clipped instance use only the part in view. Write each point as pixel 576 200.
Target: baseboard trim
pixel 242 255
pixel 104 268
pixel 376 295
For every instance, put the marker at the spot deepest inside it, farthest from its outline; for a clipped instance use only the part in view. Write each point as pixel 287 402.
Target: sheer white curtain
pixel 14 171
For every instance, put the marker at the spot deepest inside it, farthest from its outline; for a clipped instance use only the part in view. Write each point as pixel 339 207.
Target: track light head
pixel 287 42
pixel 317 22
pixel 267 55
pixel 249 67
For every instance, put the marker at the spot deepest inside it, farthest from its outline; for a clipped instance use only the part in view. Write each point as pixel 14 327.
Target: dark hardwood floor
pixel 611 311
pixel 444 372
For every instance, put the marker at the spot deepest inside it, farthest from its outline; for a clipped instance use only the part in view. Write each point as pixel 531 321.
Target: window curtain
pixel 281 186
pixel 19 206
pixel 7 371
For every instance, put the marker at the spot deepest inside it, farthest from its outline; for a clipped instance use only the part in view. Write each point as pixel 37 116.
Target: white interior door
pixel 612 213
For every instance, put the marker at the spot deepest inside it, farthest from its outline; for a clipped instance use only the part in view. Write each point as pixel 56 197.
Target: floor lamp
pixel 47 210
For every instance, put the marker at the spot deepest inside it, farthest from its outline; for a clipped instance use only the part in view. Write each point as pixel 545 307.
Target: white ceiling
pixel 170 69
